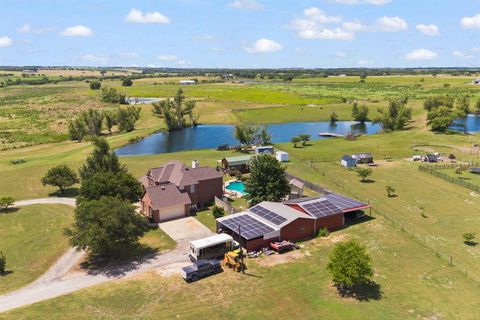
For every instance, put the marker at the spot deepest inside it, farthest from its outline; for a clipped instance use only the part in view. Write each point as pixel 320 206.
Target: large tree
pixel 60 176
pixel 267 181
pixel 121 185
pixel 106 227
pixel 177 113
pixel 350 265
pixel 104 175
pixel 396 116
pixel 102 159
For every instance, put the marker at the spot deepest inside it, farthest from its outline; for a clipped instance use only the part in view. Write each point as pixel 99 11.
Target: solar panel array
pixel 268 215
pixel 343 202
pixel 322 208
pixel 250 228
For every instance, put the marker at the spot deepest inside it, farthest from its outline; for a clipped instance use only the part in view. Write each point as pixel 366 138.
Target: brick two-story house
pixel 173 190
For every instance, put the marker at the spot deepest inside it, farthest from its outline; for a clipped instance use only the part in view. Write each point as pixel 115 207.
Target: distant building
pixel 363 157
pixel 264 149
pixel 476 81
pixel 240 163
pixel 281 156
pixel 348 162
pixel 187 82
pixel 431 158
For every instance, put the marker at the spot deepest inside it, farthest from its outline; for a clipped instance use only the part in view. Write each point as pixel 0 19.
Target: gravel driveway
pixel 57 281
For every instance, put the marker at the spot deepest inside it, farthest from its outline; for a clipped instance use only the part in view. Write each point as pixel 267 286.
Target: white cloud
pixel 312 26
pixel 471 22
pixel 167 58
pixel 430 30
pixel 128 55
pixel 374 2
pixel 340 54
pixel 318 15
pixel 184 63
pixel 137 16
pixel 77 31
pixel 246 5
pixel 461 54
pixel 475 49
pixel 327 34
pixel 263 46
pixel 5 42
pixel 26 28
pixel 421 54
pixel 391 24
pixel 354 26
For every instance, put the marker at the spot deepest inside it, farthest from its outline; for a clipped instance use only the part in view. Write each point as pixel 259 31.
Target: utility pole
pixel 241 248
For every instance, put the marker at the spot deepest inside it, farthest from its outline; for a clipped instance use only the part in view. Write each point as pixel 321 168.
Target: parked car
pixel 201 269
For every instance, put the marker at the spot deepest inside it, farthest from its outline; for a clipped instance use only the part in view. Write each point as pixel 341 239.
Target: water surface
pixel 211 136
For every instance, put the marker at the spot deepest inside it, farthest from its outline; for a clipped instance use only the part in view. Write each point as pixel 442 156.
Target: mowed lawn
pixel 32 239
pixel 412 284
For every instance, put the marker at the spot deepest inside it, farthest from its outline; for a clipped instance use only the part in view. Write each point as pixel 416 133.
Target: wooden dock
pixel 331 135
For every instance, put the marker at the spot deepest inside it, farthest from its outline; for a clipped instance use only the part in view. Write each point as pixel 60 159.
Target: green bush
pixel 218 212
pixel 323 232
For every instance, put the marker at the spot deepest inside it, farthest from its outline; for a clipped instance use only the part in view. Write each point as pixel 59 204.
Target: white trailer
pixel 211 247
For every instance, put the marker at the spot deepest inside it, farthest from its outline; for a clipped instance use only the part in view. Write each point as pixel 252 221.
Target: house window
pixel 192 188
pixel 302 229
pixel 150 212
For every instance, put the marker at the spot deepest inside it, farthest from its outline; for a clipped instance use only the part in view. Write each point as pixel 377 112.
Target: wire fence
pixel 434 170
pixel 388 213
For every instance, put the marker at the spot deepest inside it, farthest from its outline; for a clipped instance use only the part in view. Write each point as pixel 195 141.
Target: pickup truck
pixel 201 269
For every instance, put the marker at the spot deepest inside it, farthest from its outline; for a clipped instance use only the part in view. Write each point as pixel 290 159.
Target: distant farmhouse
pixel 173 190
pixel 187 82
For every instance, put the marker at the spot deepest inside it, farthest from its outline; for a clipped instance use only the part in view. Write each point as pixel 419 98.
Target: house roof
pixel 365 155
pixel 344 203
pixel 239 160
pixel 288 214
pixel 297 183
pixel 144 181
pixel 362 155
pixel 320 207
pixel 180 175
pixel 165 196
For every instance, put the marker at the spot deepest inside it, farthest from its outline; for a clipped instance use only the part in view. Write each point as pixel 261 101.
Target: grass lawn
pixel 467 176
pixel 297 289
pixel 157 240
pixel 32 239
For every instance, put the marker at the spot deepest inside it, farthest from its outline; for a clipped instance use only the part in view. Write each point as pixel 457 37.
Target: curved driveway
pixel 58 281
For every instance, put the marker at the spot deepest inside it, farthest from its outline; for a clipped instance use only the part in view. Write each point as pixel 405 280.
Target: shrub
pixel 3 263
pixel 468 237
pixel 6 202
pixel 323 232
pixel 95 85
pixel 127 82
pixel 218 212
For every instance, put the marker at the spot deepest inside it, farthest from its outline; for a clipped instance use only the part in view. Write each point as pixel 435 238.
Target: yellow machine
pixel 233 260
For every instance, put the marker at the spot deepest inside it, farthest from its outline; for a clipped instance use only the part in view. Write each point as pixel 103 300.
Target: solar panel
pixel 343 202
pixel 250 228
pixel 321 208
pixel 268 215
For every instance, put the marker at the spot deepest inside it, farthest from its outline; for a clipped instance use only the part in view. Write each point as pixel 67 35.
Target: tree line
pixel 443 110
pixel 177 113
pixel 91 122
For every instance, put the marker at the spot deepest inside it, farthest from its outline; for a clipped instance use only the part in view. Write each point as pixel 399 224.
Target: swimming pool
pixel 237 186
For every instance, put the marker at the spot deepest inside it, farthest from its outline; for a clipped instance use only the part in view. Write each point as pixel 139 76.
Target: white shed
pixel 187 82
pixel 281 156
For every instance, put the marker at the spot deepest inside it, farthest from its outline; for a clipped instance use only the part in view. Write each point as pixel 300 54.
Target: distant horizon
pixel 241 34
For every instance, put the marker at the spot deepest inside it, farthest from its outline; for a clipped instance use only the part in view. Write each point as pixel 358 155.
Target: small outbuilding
pixel 281 156
pixel 187 82
pixel 296 189
pixel 365 157
pixel 348 162
pixel 264 149
pixel 431 158
pixel 240 163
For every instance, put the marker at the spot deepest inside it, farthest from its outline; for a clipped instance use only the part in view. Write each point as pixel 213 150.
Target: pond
pixel 211 136
pixel 471 123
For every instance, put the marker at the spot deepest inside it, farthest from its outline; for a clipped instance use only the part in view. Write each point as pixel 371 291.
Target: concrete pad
pixel 186 229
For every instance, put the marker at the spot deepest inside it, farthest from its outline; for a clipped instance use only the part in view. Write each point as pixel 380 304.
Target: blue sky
pixel 241 33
